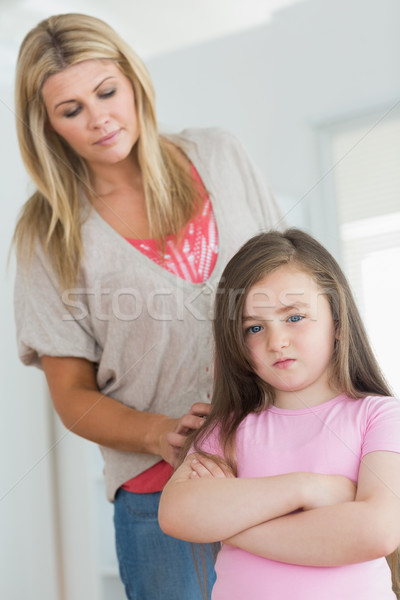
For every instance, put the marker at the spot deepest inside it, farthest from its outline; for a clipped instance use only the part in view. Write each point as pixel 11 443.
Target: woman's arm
pixel 212 505
pixel 102 419
pixel 345 533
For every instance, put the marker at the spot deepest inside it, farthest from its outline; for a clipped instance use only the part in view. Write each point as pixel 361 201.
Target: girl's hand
pixel 205 467
pixel 325 490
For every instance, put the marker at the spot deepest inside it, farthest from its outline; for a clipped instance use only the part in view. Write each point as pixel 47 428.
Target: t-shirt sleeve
pixel 383 426
pixel 44 324
pixel 210 444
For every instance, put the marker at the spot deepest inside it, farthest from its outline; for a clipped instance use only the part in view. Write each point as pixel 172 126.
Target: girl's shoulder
pixel 370 405
pixel 381 404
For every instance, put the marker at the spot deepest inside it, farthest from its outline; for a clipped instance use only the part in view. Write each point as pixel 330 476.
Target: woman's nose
pixel 98 117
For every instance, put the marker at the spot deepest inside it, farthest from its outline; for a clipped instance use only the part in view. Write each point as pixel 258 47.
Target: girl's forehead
pixel 285 286
pixel 284 277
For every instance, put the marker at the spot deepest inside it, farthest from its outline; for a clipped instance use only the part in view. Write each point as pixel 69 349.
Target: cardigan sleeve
pixel 230 167
pixel 260 197
pixel 45 323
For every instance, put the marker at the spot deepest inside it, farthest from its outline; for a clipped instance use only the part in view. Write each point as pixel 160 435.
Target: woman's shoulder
pixel 208 137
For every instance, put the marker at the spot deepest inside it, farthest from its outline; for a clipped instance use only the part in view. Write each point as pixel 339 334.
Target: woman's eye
pixel 107 93
pixel 72 113
pixel 254 329
pixel 295 318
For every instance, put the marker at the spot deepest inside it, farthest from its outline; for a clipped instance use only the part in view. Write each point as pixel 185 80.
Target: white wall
pixel 27 542
pixel 317 61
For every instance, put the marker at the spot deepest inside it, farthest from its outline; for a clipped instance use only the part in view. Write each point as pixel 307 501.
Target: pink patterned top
pixel 195 257
pixel 193 260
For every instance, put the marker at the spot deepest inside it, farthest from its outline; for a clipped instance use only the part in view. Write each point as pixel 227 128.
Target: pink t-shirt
pixel 329 438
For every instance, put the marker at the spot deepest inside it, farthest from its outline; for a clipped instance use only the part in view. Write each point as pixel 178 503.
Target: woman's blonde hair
pixel 53 213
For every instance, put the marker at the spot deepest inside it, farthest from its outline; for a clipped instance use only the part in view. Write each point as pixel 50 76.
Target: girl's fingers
pixel 206 467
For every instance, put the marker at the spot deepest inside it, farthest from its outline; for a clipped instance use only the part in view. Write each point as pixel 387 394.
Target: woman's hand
pixel 174 437
pixel 89 413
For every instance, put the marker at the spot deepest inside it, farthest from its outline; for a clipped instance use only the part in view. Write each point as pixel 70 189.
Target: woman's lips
pixel 108 139
pixel 284 363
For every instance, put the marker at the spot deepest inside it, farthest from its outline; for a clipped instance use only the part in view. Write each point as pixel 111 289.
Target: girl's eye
pixel 295 318
pixel 254 329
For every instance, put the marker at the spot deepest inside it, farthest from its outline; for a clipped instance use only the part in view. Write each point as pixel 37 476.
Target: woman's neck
pixel 118 197
pixel 109 179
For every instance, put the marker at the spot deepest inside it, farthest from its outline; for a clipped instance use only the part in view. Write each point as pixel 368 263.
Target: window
pixel 365 189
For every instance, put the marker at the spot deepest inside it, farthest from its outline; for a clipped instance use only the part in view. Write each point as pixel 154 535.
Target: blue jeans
pixel 153 565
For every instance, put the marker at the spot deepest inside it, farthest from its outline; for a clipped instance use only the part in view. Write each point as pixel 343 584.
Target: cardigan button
pixel 206 291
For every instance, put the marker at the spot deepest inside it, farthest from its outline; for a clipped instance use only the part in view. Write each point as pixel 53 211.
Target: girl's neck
pixel 299 399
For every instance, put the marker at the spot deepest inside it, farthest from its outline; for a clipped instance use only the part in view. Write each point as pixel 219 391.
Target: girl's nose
pixel 277 339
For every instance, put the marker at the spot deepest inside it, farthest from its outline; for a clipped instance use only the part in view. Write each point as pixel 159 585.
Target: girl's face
pixel 92 106
pixel 289 333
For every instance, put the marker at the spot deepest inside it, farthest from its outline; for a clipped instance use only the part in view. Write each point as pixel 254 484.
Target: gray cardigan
pixel 147 330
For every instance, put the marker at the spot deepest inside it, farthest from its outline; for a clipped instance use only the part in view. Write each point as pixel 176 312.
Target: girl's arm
pixel 214 505
pixel 102 419
pixel 345 533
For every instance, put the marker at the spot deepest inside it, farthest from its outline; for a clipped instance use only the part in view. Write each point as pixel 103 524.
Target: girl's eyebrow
pixel 282 310
pixel 250 318
pixel 295 306
pixel 94 90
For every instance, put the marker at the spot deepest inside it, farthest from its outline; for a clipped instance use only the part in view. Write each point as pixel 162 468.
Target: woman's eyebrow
pixel 102 81
pixel 94 90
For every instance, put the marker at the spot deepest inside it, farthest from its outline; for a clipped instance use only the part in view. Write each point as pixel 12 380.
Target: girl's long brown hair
pixel 238 390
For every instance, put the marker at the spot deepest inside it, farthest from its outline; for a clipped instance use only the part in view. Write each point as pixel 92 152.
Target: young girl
pixel 300 411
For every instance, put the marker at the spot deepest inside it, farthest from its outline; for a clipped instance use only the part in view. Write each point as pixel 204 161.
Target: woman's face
pixel 92 106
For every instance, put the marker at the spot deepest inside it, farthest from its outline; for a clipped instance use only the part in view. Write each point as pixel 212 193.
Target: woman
pixel 119 251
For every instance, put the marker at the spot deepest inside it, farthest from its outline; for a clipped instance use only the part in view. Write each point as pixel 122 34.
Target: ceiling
pixel 151 26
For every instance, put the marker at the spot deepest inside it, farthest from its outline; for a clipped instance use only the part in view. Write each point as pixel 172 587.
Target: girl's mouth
pixel 284 363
